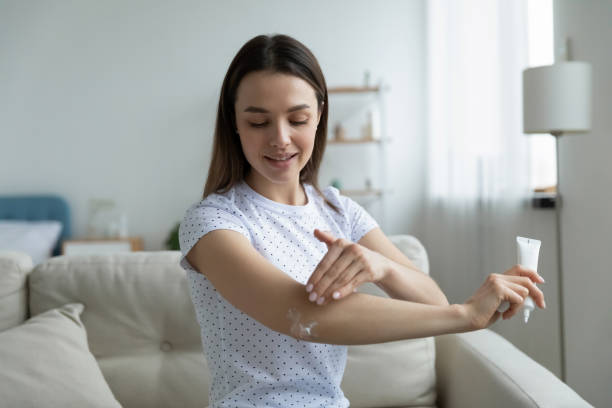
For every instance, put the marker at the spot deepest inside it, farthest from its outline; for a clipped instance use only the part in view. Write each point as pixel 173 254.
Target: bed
pixel 34 223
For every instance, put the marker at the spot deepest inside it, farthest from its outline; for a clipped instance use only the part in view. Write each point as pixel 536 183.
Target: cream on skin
pixel 299 329
pixel 528 251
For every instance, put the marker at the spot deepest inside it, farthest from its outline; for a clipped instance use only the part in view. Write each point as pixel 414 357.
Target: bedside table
pixel 101 245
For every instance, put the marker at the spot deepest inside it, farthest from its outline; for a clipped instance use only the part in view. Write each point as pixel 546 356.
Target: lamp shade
pixel 557 98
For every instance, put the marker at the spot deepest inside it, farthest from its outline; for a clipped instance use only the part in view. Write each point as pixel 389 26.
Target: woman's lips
pixel 281 164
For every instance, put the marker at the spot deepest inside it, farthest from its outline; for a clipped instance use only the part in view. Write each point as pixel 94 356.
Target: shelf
pixel 352 89
pixel 363 192
pixel 550 189
pixel 356 141
pixel 101 245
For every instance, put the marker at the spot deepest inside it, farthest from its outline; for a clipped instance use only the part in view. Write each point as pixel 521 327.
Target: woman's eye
pixel 258 125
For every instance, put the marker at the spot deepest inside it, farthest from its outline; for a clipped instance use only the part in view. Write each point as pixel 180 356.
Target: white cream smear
pixel 299 330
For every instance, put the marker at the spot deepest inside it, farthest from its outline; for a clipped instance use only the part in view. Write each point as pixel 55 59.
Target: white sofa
pixel 120 330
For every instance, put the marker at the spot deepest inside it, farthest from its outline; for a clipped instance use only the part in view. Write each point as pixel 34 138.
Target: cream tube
pixel 528 251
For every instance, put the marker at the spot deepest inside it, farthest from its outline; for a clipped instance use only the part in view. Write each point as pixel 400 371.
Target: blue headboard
pixel 40 207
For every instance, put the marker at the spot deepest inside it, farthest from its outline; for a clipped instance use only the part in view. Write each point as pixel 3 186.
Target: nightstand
pixel 101 245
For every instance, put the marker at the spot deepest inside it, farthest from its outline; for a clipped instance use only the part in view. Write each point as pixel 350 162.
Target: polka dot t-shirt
pixel 250 364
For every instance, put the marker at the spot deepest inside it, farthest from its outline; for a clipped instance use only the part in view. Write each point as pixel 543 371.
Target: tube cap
pixel 526 314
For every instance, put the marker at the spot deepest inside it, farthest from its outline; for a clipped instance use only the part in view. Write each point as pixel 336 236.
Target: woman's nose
pixel 280 135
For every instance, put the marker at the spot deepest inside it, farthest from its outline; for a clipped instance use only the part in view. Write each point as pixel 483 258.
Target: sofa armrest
pixel 483 369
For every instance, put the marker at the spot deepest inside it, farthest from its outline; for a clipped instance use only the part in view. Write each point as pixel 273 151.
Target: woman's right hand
pixel 514 285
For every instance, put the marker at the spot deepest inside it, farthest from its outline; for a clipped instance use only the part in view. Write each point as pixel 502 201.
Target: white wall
pixel 586 178
pixel 117 99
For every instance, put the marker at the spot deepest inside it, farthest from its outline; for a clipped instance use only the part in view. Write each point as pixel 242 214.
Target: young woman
pixel 273 262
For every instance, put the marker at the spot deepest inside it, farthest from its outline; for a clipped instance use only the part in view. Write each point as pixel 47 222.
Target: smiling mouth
pixel 281 159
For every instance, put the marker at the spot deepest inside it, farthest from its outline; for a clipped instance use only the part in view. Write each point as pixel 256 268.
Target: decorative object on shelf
pixel 366 79
pixel 371 130
pixel 118 227
pixel 368 184
pixel 172 241
pixel 336 183
pixel 101 214
pixel 557 100
pixel 339 133
pixel 105 220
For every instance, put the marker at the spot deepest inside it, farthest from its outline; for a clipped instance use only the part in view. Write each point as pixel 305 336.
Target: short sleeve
pixel 359 221
pixel 202 218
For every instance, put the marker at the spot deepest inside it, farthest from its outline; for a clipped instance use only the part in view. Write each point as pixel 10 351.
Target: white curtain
pixel 478 157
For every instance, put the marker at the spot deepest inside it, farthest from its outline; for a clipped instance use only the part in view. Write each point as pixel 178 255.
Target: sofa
pixel 120 330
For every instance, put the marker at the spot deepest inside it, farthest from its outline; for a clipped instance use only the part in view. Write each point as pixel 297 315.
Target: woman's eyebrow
pixel 262 110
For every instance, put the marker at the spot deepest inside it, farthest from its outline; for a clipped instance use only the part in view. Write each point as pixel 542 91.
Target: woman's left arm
pixel 403 280
pixel 375 259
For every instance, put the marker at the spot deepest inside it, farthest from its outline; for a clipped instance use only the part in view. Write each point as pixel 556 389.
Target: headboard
pixel 39 207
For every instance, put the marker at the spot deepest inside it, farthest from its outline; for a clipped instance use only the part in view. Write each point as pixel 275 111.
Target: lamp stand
pixel 558 205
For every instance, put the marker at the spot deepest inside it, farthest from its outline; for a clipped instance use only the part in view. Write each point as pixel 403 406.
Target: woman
pixel 273 262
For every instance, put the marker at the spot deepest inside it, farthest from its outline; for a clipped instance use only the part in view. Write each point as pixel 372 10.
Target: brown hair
pixel 277 54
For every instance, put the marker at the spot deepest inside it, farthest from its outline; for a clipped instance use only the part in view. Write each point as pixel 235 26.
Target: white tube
pixel 528 251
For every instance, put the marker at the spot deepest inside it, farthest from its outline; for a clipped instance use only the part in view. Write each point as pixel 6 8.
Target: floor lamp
pixel 557 100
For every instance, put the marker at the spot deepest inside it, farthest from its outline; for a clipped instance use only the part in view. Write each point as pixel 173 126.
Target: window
pixel 543 159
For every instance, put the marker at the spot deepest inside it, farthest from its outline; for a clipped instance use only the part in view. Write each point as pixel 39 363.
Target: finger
pixel 512 296
pixel 330 257
pixel 343 287
pixel 351 286
pixel 514 307
pixel 333 275
pixel 360 278
pixel 324 236
pixel 520 270
pixel 535 292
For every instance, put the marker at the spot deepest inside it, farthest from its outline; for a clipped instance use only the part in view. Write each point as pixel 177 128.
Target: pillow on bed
pixel 35 238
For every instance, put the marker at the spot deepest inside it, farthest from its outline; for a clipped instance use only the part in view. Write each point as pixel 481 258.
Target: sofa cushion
pixel 140 323
pixel 14 269
pixel 46 363
pixel 397 373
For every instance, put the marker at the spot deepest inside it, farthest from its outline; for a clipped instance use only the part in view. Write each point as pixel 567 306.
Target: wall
pixel 118 99
pixel 586 224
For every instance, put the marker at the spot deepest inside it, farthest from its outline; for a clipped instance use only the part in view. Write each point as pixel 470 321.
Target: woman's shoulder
pixel 332 194
pixel 224 201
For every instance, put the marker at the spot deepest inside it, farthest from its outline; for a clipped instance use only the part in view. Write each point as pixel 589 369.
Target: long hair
pixel 276 54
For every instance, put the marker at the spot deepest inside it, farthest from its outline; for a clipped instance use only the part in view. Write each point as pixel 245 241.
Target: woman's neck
pixel 290 193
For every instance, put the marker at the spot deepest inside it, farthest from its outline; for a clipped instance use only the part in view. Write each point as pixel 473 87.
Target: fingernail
pixel 313 296
pixel 544 304
pixel 336 295
pixel 309 287
pixel 320 301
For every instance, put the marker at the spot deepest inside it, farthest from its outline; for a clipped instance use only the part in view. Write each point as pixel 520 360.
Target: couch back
pixel 142 329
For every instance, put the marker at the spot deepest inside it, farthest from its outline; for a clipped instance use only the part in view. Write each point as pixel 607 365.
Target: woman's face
pixel 277 117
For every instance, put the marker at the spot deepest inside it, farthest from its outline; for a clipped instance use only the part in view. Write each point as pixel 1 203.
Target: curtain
pixel 478 183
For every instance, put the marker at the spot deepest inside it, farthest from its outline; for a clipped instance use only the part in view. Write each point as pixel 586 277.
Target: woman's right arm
pixel 258 288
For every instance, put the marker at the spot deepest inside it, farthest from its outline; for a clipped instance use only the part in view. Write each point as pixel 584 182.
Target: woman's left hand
pixel 345 266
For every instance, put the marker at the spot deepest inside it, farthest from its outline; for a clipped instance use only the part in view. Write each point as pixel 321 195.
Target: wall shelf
pixel 353 89
pixel 366 160
pixel 357 141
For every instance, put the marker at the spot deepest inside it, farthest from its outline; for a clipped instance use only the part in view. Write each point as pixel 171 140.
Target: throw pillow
pixel 46 362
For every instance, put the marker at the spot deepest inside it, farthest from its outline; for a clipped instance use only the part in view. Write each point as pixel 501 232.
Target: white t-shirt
pixel 250 364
